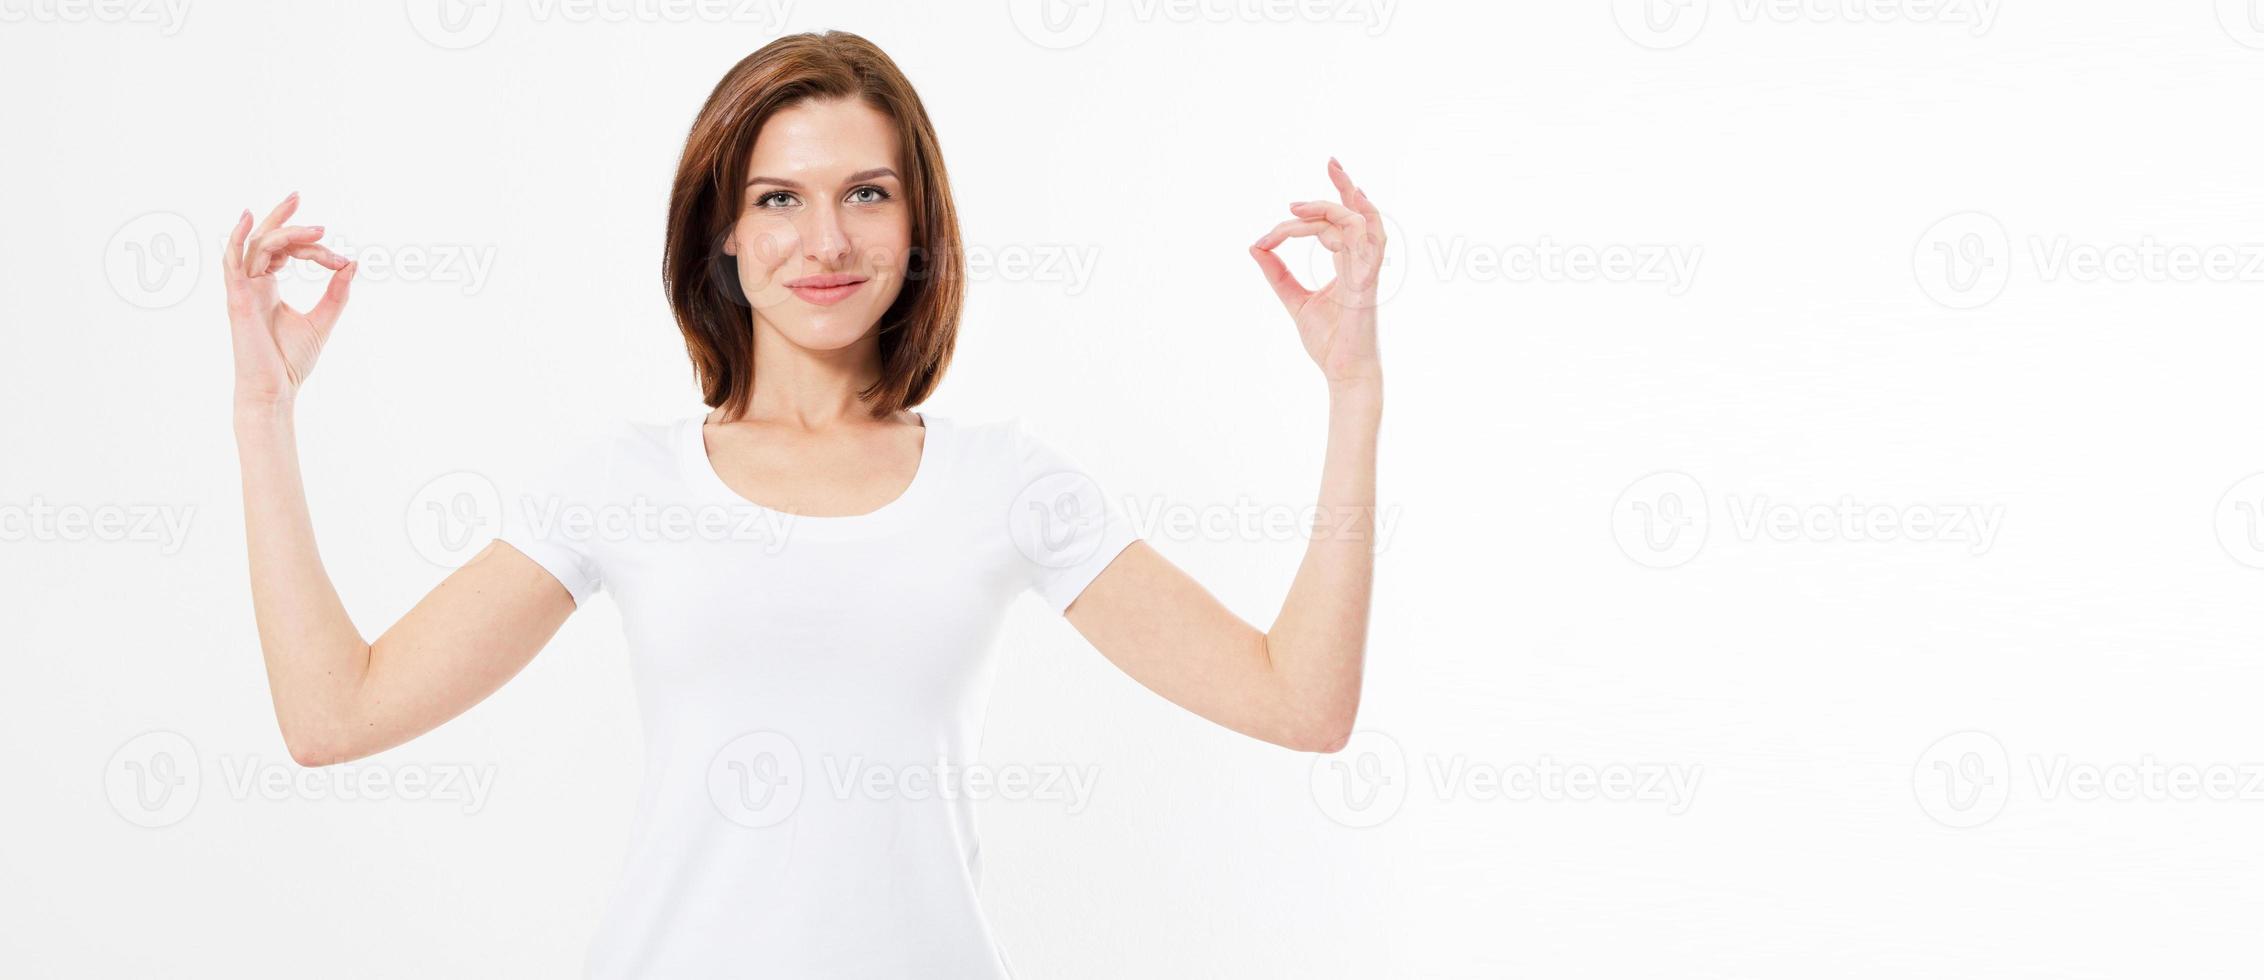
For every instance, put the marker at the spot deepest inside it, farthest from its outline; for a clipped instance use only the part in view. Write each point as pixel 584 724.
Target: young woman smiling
pixel 814 267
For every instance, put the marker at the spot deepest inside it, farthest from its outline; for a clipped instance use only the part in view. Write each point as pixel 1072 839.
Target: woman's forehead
pixel 820 139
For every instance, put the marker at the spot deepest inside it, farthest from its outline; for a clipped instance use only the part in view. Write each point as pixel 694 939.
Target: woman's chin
pixel 828 330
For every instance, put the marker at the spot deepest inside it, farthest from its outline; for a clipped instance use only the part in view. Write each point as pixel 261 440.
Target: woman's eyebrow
pixel 853 178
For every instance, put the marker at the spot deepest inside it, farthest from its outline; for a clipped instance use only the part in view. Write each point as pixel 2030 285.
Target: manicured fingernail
pixel 1333 163
pixel 293 195
pixel 317 229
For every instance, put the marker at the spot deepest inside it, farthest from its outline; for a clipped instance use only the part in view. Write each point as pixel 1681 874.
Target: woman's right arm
pixel 338 697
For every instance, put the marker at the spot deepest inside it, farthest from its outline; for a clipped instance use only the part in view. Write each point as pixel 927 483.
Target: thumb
pixel 325 313
pixel 1285 286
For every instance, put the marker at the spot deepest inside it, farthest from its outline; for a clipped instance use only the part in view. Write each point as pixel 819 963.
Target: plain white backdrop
pixel 1819 532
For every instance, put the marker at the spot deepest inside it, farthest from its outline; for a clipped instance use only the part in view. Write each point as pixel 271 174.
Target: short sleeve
pixel 550 514
pixel 1066 528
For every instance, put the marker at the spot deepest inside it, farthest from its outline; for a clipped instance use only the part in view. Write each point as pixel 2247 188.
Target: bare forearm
pixel 315 657
pixel 1319 641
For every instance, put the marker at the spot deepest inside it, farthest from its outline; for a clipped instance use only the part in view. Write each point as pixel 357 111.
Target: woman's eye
pixel 774 199
pixel 868 195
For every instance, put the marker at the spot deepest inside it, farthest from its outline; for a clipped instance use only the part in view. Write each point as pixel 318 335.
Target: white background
pixel 1835 343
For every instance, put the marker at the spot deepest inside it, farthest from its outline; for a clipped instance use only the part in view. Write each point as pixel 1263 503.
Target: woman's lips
pixel 826 290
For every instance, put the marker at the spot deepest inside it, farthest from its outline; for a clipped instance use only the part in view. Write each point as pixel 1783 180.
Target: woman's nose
pixel 824 240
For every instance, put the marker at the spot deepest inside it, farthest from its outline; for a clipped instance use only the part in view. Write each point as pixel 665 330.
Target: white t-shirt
pixel 804 683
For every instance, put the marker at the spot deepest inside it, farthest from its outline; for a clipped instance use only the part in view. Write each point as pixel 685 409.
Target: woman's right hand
pixel 276 346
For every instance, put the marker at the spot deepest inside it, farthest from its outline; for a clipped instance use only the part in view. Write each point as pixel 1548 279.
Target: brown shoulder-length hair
pixel 918 330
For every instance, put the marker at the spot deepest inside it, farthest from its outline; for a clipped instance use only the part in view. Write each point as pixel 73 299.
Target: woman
pixel 829 603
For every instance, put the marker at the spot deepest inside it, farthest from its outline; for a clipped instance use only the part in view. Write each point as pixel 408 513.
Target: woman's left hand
pixel 1337 322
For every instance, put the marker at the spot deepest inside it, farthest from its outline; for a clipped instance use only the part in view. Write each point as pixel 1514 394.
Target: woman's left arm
pixel 1297 684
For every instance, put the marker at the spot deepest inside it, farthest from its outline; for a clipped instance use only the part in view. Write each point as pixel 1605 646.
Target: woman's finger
pixel 1343 182
pixel 1336 214
pixel 1332 237
pixel 232 257
pixel 325 313
pixel 1293 228
pixel 1285 286
pixel 1356 199
pixel 269 250
pixel 1352 225
pixel 281 214
pixel 318 255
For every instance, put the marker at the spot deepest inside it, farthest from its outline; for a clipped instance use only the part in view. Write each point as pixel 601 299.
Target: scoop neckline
pixel 700 468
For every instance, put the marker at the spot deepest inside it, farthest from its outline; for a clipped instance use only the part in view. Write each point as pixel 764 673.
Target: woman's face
pixel 822 242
